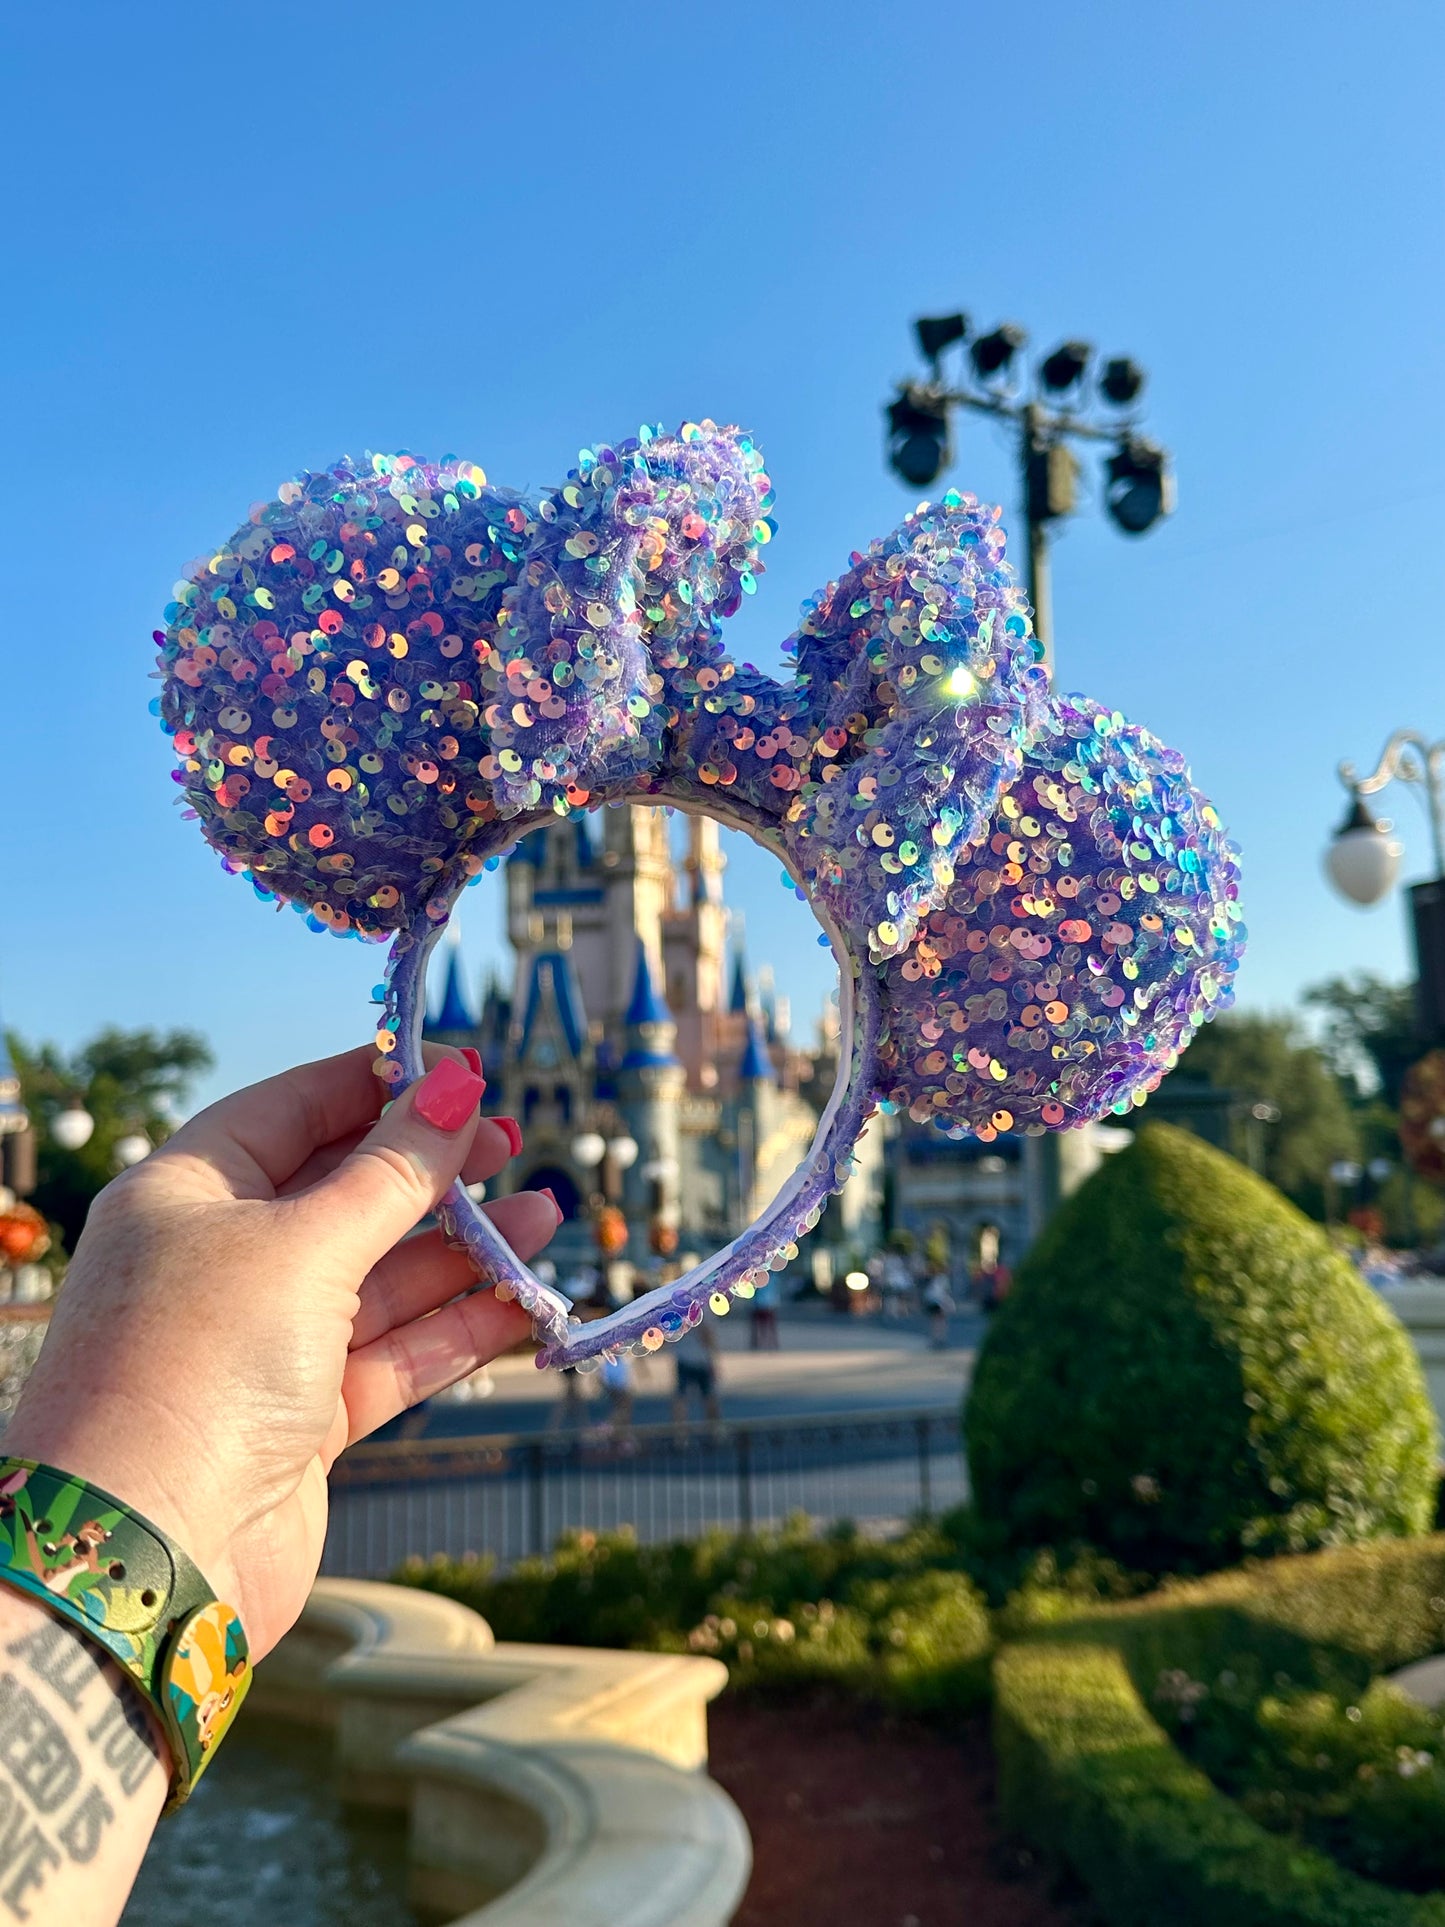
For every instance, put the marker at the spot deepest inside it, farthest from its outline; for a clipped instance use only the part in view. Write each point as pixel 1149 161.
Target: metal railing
pixel 513 1495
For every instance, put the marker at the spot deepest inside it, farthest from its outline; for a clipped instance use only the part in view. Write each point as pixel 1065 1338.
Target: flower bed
pixel 894 1621
pixel 1225 1749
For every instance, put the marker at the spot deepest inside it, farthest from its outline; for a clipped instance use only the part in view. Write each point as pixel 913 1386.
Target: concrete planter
pixel 547 1786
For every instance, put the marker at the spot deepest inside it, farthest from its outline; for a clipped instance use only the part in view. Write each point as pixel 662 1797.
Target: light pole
pixel 660 1176
pixel 1047 417
pixel 1363 861
pixel 1260 1114
pixel 607 1158
pixel 1139 482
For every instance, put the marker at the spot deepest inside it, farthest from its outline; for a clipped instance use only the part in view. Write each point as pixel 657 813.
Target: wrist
pixel 119 1579
pixel 112 1449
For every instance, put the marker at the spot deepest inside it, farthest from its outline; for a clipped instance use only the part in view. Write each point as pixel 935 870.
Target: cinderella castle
pixel 643 1070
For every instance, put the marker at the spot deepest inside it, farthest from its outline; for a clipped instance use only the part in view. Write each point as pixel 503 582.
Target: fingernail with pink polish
pixel 448 1095
pixel 514 1134
pixel 546 1192
pixel 473 1057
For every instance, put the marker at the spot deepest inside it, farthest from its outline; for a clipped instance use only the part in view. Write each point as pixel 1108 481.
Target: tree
pixel 1368 1031
pixel 129 1080
pixel 1269 1060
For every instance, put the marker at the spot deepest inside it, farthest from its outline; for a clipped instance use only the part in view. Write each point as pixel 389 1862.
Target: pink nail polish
pixel 546 1192
pixel 448 1095
pixel 514 1133
pixel 473 1057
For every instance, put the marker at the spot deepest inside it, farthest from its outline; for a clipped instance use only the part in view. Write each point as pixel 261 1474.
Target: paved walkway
pixel 826 1363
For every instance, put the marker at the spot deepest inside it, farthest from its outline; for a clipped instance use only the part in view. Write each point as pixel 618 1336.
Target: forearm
pixel 83 1773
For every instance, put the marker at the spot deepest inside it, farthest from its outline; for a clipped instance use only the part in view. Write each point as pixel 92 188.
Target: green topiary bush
pixel 1186 1373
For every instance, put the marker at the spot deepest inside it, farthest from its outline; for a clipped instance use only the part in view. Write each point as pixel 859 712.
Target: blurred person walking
pixel 763 1318
pixel 696 1354
pixel 938 1302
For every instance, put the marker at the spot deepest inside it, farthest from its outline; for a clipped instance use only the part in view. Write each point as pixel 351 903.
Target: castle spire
pixel 455 1013
pixel 756 1066
pixel 646 1007
pixel 651 1032
pixel 740 996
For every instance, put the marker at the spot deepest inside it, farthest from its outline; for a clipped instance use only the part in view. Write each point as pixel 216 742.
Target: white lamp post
pixel 1363 860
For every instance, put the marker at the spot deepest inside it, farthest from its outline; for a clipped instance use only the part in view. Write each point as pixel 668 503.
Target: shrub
pixel 1257 1672
pixel 1186 1373
pixel 887 1619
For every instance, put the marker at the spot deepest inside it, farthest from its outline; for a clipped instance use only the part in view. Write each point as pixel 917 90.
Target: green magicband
pixel 132 1591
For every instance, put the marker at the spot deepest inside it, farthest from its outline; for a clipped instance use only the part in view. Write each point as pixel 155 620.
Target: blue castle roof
pixel 738 995
pixel 552 970
pixel 532 848
pixel 647 1006
pixel 756 1065
pixel 454 1013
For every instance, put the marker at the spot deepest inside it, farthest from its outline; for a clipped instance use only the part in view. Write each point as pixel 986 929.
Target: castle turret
pixel 650 1082
pixel 740 996
pixel 756 1066
pixel 454 1022
pixel 752 1119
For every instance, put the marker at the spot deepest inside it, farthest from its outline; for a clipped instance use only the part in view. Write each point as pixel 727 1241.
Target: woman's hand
pixel 246 1302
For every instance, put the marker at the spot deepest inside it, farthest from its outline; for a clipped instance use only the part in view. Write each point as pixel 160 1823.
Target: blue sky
pixel 241 240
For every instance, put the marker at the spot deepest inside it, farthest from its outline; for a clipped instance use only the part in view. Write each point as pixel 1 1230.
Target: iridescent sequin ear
pixel 319 681
pixel 1088 933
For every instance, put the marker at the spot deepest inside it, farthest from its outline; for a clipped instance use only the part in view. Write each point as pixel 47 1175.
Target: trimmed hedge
pixel 1187 1374
pixel 1090 1775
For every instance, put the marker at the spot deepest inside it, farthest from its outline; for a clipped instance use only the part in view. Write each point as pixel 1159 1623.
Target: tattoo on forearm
pixel 122 1731
pixel 49 1814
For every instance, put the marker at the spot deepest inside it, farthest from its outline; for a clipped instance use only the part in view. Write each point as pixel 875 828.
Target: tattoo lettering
pixel 124 1734
pixel 40 1771
pixel 26 1856
pixel 80 1835
pixel 34 1748
pixel 67 1665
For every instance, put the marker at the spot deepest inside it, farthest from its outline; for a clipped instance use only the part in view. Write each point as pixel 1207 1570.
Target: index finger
pixel 258 1137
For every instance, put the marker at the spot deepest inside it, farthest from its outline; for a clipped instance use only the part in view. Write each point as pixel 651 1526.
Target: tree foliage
pixel 1369 1038
pixel 1269 1060
pixel 129 1080
pixel 1368 1031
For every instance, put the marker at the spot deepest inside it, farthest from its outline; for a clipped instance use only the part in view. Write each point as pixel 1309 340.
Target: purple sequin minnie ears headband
pixel 389 674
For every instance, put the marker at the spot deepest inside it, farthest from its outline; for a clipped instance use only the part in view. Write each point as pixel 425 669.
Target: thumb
pixel 401 1168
